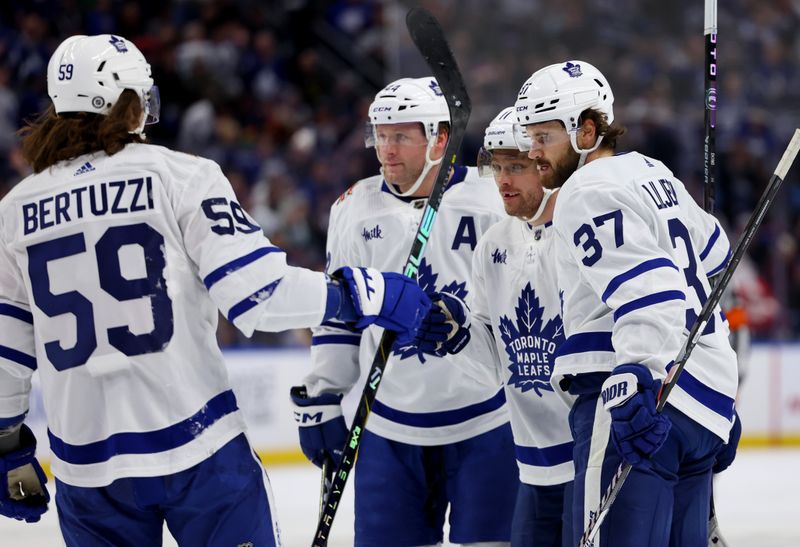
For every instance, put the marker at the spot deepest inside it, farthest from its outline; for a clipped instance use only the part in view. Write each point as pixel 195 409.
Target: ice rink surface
pixel 758 502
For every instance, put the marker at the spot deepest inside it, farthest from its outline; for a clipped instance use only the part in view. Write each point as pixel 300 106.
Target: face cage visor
pixel 372 140
pixel 152 105
pixel 484 163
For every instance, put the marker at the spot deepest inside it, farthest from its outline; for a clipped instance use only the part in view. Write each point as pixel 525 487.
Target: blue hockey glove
pixel 727 453
pixel 321 425
pixel 637 430
pixel 445 328
pixel 390 300
pixel 23 494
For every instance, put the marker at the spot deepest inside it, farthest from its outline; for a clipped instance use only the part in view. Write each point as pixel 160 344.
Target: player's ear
pixel 441 141
pixel 587 134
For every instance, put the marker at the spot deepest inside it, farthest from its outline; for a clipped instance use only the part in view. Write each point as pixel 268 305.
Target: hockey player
pixel 435 437
pixel 115 257
pixel 515 329
pixel 633 252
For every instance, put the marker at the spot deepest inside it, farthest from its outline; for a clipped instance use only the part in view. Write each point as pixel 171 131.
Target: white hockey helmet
pixel 410 100
pixel 89 73
pixel 563 91
pixel 505 133
pixel 502 133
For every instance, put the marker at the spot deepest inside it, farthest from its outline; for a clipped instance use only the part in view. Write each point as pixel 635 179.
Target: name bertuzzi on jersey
pixel 104 198
pixel 531 343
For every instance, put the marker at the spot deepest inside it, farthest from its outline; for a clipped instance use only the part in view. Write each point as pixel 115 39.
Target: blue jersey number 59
pixel 152 286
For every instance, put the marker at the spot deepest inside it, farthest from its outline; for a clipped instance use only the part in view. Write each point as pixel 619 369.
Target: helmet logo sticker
pixel 434 85
pixel 574 71
pixel 98 102
pixel 118 43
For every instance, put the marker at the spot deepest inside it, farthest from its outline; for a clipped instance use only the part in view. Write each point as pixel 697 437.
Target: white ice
pixel 757 503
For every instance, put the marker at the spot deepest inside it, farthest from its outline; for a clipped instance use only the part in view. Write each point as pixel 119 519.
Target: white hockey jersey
pixel 634 253
pixel 423 400
pixel 516 311
pixel 112 270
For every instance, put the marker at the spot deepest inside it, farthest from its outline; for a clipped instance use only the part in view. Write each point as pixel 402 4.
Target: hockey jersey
pixel 634 254
pixel 112 269
pixel 423 400
pixel 516 312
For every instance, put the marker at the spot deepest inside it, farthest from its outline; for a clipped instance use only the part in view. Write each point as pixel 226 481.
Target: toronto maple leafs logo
pixel 531 344
pixel 119 44
pixel 574 70
pixel 434 85
pixel 427 279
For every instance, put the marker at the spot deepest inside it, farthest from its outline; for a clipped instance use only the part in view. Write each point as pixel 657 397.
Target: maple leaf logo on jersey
pixel 531 344
pixel 427 278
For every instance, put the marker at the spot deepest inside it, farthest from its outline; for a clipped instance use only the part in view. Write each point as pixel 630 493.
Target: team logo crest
pixel 574 70
pixel 119 44
pixel 434 85
pixel 427 279
pixel 531 344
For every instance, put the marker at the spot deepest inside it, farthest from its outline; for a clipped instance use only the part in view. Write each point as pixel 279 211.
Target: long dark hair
pixel 610 132
pixel 51 137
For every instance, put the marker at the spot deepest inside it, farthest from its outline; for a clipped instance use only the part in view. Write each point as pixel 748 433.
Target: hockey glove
pixel 389 300
pixel 23 494
pixel 445 328
pixel 727 453
pixel 637 430
pixel 321 424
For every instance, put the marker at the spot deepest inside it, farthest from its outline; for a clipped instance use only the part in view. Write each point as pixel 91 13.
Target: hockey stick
pixel 709 147
pixel 709 171
pixel 764 203
pixel 709 179
pixel 325 482
pixel 431 43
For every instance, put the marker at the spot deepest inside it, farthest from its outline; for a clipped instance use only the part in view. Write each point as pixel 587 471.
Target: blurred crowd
pixel 277 93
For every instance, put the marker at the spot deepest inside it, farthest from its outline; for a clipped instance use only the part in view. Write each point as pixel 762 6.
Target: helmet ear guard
pixel 89 73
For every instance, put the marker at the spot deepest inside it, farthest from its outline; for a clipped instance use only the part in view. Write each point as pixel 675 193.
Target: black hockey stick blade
pixel 429 39
pixel 763 205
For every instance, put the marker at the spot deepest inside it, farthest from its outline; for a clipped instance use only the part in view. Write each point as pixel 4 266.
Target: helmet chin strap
pixel 584 152
pixel 429 163
pixel 548 193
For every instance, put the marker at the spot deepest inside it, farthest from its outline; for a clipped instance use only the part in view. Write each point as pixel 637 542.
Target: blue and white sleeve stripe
pixel 649 300
pixel 16 336
pixel 721 266
pixel 706 253
pixel 636 271
pixel 226 269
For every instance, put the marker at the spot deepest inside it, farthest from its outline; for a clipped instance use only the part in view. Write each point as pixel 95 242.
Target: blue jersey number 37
pixel 152 286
